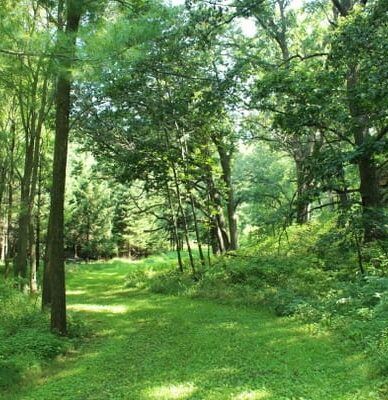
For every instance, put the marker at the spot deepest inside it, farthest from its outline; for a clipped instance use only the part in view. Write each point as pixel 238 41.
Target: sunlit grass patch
pixel 171 392
pixel 99 308
pixel 252 395
pixel 75 292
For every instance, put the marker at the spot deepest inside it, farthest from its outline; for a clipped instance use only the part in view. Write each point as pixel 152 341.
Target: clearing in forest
pixel 151 347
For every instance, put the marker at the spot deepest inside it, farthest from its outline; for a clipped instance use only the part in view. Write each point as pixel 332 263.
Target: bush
pixel 378 351
pixel 136 279
pixel 25 339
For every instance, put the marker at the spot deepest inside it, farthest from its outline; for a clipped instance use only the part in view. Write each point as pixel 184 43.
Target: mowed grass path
pixel 151 347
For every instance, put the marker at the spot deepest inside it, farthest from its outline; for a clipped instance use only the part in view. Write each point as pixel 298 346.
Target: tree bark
pixel 46 284
pixel 175 228
pixel 38 216
pixel 217 221
pixel 226 161
pixel 184 218
pixel 369 183
pixel 32 250
pixel 26 205
pixel 33 130
pixel 196 227
pixel 10 248
pixel 56 264
pixel 302 201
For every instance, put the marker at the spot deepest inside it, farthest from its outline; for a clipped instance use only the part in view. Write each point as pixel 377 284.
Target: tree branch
pixel 303 58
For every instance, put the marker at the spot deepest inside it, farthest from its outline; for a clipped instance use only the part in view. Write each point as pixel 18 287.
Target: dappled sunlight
pixel 171 392
pixel 252 395
pixel 99 308
pixel 65 373
pixel 229 325
pixel 75 292
pixel 222 373
pixel 151 347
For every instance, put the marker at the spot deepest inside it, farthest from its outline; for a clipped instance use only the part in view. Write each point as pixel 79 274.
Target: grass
pixel 148 346
pixel 312 277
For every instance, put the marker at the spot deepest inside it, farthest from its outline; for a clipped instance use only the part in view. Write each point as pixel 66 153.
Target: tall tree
pixel 66 47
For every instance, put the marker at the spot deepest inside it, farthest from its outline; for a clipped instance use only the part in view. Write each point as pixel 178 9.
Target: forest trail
pixel 151 347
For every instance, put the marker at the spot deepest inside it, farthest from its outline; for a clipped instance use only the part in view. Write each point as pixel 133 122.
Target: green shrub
pixel 77 327
pixel 10 373
pixel 378 351
pixel 135 278
pixel 25 338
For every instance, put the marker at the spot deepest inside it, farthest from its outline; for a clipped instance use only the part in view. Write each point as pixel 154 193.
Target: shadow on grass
pixel 158 347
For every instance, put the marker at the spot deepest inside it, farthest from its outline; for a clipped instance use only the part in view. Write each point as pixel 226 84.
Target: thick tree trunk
pixel 370 198
pixel 56 264
pixel 369 183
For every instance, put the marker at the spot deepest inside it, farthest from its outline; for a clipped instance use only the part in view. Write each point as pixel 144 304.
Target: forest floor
pixel 154 347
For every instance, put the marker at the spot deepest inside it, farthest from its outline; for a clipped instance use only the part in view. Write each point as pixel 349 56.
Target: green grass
pixel 148 346
pixel 313 279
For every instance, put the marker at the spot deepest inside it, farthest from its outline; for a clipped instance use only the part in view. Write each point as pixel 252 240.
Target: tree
pixel 66 43
pixel 357 56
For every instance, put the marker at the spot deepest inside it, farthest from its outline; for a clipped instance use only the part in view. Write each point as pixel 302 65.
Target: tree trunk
pixel 46 284
pixel 302 201
pixel 26 204
pixel 197 235
pixel 37 217
pixel 175 228
pixel 184 218
pixel 226 161
pixel 184 152
pixel 56 264
pixel 369 183
pixel 32 251
pixel 4 239
pixel 3 222
pixel 10 247
pixel 217 220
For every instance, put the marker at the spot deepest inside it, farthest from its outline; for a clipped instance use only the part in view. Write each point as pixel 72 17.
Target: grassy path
pixel 156 347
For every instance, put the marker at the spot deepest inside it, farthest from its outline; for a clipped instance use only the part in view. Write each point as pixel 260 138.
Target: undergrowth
pixel 26 343
pixel 312 275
